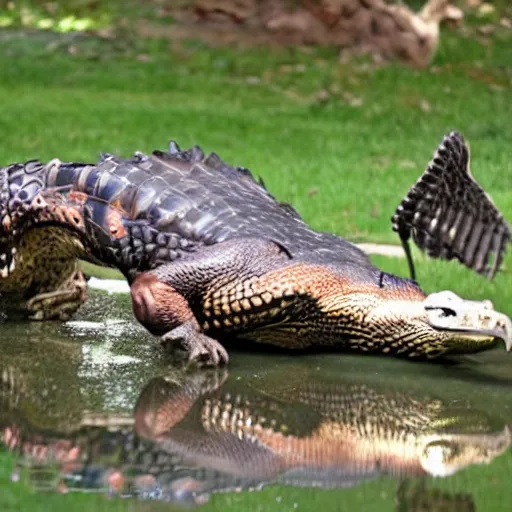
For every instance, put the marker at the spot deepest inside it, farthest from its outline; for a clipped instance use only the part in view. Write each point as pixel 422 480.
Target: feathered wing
pixel 450 215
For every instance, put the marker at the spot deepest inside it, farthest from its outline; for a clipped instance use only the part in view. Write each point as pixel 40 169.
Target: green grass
pixel 345 165
pixel 345 162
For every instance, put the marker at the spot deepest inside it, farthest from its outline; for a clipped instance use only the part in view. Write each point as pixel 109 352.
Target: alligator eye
pixel 39 201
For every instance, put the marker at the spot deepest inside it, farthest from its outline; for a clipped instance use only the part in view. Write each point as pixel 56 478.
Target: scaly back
pixel 186 199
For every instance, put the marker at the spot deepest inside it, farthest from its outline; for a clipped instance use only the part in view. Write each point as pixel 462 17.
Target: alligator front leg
pixel 166 312
pixel 168 300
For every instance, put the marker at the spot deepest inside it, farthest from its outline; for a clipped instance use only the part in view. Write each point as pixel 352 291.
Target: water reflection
pixel 188 435
pixel 419 498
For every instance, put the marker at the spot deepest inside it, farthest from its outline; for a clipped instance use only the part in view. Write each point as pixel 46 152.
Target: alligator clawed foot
pixel 60 304
pixel 206 351
pixel 201 349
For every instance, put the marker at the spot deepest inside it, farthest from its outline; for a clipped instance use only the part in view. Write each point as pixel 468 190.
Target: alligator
pixel 210 254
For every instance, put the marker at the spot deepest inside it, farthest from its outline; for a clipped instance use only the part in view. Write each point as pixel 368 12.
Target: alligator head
pixel 42 233
pixel 26 205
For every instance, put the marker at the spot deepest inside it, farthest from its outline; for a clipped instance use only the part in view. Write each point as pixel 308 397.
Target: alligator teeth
pixel 4 272
pixel 12 266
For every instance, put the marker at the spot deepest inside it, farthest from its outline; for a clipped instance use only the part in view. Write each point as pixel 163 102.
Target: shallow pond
pixel 94 407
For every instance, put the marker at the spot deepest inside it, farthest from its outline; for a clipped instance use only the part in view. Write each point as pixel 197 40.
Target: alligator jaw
pixel 448 312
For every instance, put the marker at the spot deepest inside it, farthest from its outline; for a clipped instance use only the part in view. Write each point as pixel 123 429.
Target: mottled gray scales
pixel 204 200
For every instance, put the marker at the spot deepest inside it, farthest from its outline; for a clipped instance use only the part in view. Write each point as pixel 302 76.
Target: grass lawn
pixel 341 141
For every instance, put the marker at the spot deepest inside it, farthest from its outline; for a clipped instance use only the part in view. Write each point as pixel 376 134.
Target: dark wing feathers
pixel 450 215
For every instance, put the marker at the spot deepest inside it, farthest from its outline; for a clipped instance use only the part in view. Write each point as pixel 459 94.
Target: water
pixel 93 406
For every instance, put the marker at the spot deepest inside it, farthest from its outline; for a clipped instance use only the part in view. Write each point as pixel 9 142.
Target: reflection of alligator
pixel 195 434
pixel 419 498
pixel 313 433
pixel 209 253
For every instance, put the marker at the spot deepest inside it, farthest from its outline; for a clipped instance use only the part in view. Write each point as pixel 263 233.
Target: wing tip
pixel 446 175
